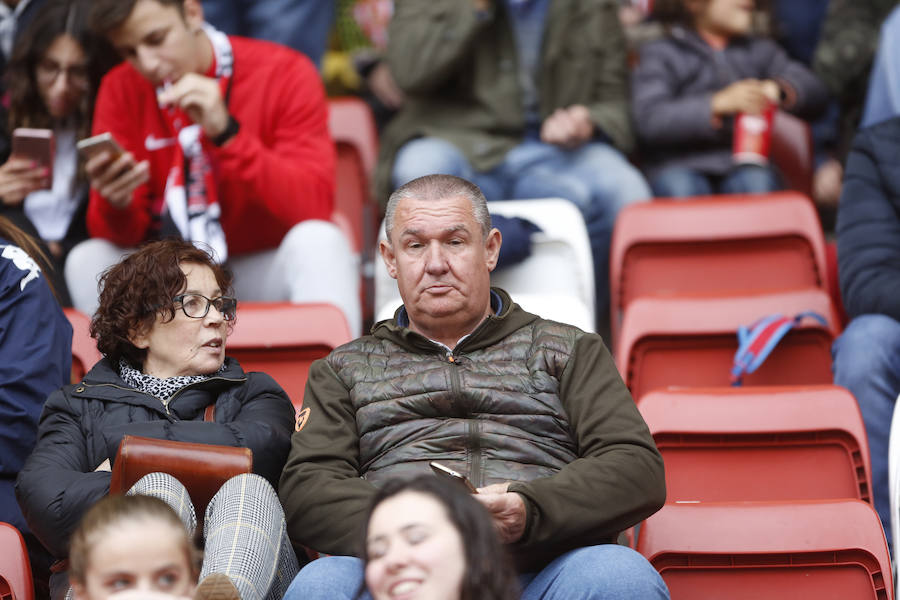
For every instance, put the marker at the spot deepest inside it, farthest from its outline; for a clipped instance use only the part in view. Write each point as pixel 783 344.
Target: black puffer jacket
pixel 82 425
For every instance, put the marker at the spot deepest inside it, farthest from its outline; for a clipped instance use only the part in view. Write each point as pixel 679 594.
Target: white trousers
pixel 313 263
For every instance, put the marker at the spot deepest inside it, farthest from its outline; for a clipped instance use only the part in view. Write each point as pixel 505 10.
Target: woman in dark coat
pixel 164 317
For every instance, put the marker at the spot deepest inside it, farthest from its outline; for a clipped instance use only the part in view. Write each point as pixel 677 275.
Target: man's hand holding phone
pixel 115 174
pixel 507 511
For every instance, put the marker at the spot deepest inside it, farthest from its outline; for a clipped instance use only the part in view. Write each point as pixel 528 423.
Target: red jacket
pixel 277 171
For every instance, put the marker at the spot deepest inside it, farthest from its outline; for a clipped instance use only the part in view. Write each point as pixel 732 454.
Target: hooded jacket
pixel 83 424
pixel 521 399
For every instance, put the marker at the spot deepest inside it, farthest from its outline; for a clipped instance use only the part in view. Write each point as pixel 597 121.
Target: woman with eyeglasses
pixel 163 322
pixel 52 78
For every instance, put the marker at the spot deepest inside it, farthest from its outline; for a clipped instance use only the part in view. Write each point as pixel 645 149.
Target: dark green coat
pixel 460 76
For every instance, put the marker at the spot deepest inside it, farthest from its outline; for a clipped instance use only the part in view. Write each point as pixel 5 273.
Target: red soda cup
pixel 753 136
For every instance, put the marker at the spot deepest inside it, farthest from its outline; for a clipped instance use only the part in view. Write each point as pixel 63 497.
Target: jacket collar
pixel 492 329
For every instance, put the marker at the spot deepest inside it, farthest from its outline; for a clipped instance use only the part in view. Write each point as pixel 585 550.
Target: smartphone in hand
pixel 451 475
pixel 90 147
pixel 37 145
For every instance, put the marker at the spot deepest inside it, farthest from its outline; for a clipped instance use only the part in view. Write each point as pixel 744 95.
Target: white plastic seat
pixel 555 282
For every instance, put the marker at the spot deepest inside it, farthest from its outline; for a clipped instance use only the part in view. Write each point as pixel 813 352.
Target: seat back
pixel 759 443
pixel 283 340
pixel 814 549
pixel 556 281
pixel 691 341
pixel 720 244
pixel 792 151
pixel 84 347
pixel 15 567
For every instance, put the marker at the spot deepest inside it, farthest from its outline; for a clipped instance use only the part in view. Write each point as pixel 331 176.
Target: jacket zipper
pixel 473 436
pixel 84 385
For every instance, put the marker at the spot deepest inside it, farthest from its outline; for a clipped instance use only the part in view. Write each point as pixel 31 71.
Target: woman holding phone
pixel 52 79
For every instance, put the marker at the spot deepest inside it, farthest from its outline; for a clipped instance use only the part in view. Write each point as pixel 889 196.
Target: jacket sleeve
pixel 262 423
pixel 430 39
pixel 868 225
pixel 290 174
pixel 805 94
pixel 57 485
pixel 662 114
pixel 35 360
pixel 325 500
pixel 618 479
pixel 123 226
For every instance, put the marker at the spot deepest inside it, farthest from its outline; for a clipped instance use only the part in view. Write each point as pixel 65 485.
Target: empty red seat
pixel 691 341
pixel 804 550
pixel 716 244
pixel 759 443
pixel 15 567
pixel 84 347
pixel 793 151
pixel 283 339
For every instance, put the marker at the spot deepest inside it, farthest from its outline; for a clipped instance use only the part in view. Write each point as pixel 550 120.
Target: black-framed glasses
pixel 48 70
pixel 196 306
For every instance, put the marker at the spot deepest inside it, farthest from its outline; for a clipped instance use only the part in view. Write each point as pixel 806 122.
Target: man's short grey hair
pixel 439 187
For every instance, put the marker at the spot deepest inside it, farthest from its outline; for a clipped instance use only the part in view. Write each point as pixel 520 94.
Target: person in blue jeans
pixel 525 98
pixel 303 25
pixel 867 354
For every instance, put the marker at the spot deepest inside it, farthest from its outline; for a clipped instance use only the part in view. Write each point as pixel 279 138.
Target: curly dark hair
pixel 141 286
pixel 56 18
pixel 489 573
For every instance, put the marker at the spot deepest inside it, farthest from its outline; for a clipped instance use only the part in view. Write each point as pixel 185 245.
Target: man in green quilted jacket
pixel 532 411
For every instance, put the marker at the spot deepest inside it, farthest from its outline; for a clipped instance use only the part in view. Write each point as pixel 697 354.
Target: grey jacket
pixel 673 84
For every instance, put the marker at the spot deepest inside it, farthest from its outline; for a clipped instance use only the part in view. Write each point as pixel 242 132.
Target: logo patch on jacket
pixel 302 418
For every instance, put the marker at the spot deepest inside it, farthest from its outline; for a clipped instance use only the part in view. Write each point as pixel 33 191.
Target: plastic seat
pixel 84 347
pixel 760 443
pixel 715 244
pixel 804 550
pixel 691 341
pixel 792 151
pixel 352 126
pixel 283 339
pixel 555 282
pixel 15 567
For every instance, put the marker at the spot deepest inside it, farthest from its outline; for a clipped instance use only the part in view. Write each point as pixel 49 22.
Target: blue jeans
pixel 607 572
pixel 596 177
pixel 867 362
pixel 303 25
pixel 679 182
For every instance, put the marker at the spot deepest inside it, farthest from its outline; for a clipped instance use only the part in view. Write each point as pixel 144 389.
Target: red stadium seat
pixel 84 347
pixel 15 567
pixel 691 341
pixel 718 244
pixel 804 550
pixel 759 443
pixel 792 151
pixel 283 339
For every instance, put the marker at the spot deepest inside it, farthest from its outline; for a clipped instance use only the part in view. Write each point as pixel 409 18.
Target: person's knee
pixel 312 238
pixel 609 571
pixel 751 179
pixel 677 182
pixel 83 267
pixel 870 345
pixel 424 156
pixel 337 577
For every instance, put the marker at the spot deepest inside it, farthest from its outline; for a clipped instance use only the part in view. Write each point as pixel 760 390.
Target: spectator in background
pixel 689 87
pixel 36 359
pixel 436 541
pixel 534 412
pixel 14 17
pixel 165 314
pixel 299 24
pixel 883 97
pixel 52 78
pixel 526 98
pixel 226 143
pixel 867 354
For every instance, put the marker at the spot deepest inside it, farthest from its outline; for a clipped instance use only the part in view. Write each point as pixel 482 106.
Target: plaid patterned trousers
pixel 244 532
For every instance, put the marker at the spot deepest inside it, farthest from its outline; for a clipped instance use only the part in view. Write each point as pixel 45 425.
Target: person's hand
pixel 382 84
pixel 116 178
pixel 19 177
pixel 201 98
pixel 568 127
pixel 104 466
pixel 507 510
pixel 750 96
pixel 827 183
